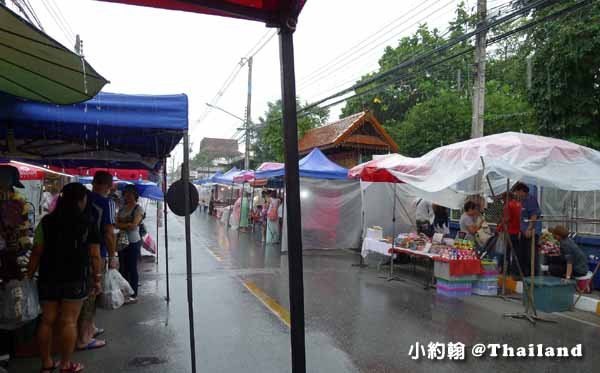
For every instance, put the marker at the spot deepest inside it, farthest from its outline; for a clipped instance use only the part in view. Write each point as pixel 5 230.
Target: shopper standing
pixel 66 241
pixel 531 228
pixel 129 219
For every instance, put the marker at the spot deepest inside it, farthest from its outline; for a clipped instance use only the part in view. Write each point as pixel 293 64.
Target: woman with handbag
pixel 129 240
pixel 272 234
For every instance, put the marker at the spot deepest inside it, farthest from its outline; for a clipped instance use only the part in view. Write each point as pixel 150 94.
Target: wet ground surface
pixel 355 320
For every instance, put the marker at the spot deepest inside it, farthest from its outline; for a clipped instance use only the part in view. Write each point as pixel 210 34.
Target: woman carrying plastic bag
pixel 115 289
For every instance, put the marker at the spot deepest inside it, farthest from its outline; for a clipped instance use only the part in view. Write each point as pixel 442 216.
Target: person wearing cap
pixel 129 219
pixel 572 261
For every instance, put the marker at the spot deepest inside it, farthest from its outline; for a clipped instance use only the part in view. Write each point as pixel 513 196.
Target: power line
pixel 62 17
pixel 352 58
pixel 431 53
pixel 557 14
pixel 368 38
pixel 69 36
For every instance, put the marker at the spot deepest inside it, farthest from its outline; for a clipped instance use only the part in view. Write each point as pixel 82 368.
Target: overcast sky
pixel 152 51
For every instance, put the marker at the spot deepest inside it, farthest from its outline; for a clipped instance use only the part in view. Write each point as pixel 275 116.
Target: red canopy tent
pixel 282 14
pixel 26 173
pixel 121 174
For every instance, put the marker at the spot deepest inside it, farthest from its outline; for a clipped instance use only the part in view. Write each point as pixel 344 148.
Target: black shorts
pixel 57 291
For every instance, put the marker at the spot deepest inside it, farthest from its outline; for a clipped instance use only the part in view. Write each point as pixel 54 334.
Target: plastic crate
pixel 551 294
pixel 454 284
pixel 455 293
pixel 485 292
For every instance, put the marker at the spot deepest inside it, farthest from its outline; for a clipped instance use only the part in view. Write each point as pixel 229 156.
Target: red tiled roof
pixel 341 131
pixel 223 147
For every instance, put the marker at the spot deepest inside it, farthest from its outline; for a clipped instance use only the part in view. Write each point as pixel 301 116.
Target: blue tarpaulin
pixel 227 177
pixel 110 130
pixel 209 179
pixel 146 189
pixel 315 165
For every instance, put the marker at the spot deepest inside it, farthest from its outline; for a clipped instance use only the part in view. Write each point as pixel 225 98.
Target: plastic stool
pixel 584 283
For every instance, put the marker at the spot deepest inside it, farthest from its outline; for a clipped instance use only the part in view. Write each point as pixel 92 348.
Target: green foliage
pixel 424 108
pixel 268 138
pixel 566 75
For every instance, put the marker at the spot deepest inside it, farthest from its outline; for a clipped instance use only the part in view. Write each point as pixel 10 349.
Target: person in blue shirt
pixel 531 228
pixel 103 211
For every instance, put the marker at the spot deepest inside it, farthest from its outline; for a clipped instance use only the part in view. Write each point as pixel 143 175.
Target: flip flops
pixel 98 332
pixel 93 345
pixel 55 365
pixel 72 368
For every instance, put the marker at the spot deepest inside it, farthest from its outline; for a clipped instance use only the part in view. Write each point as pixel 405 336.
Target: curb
pixel 586 303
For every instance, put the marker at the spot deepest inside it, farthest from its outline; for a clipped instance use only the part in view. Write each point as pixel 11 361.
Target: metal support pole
pixel 157 230
pixel 292 196
pixel 248 117
pixel 185 176
pixel 479 86
pixel 166 229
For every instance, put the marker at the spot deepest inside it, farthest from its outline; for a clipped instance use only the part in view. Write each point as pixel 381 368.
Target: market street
pixel 355 321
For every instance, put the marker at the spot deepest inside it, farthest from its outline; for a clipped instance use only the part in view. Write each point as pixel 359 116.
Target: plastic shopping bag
pixel 20 303
pixel 114 290
pixel 149 243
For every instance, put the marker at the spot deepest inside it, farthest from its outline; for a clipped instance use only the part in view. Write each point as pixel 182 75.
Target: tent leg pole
pixel 165 212
pixel 188 247
pixel 290 139
pixel 391 276
pixel 157 230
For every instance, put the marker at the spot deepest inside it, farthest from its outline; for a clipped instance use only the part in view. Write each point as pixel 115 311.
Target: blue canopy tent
pixel 111 130
pixel 314 165
pixel 209 179
pixel 227 177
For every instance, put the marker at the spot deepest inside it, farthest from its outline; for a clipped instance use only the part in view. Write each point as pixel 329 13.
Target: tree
pixel 268 137
pixel 565 91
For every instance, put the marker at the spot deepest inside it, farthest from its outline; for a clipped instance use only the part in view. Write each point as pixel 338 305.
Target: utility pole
pixel 248 117
pixel 479 85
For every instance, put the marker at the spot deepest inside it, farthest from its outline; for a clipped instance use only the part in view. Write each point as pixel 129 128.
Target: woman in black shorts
pixel 65 242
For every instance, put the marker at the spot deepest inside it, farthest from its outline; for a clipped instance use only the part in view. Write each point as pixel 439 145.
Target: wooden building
pixel 349 141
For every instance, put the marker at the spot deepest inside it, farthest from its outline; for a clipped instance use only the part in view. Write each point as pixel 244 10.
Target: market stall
pixel 330 203
pixel 487 166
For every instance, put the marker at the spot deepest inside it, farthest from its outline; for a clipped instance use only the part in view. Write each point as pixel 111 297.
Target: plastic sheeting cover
pixel 331 214
pixel 378 208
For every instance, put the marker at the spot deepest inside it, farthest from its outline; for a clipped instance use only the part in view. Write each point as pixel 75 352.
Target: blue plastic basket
pixel 596 280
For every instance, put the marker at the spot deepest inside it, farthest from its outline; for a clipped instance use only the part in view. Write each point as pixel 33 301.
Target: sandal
pixel 72 368
pixel 98 332
pixel 93 345
pixel 55 365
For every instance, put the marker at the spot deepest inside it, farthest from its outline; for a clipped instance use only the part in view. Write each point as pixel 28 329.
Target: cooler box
pixel 596 279
pixel 551 294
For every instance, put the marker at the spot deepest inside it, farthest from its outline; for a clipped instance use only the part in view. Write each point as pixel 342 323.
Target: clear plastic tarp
pixel 378 208
pixel 331 214
pixel 449 173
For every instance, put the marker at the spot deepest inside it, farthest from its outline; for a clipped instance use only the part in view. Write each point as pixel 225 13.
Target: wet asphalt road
pixel 355 321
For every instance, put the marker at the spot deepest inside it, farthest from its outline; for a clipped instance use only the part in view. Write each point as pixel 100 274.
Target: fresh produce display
pixel 15 241
pixel 549 245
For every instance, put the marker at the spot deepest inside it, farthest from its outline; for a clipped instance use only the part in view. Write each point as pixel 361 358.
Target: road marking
pixel 576 319
pixel 277 309
pixel 214 255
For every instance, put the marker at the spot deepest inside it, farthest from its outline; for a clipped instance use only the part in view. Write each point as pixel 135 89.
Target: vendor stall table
pixel 385 248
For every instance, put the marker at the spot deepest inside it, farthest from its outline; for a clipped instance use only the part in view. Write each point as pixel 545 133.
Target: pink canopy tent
pixel 282 14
